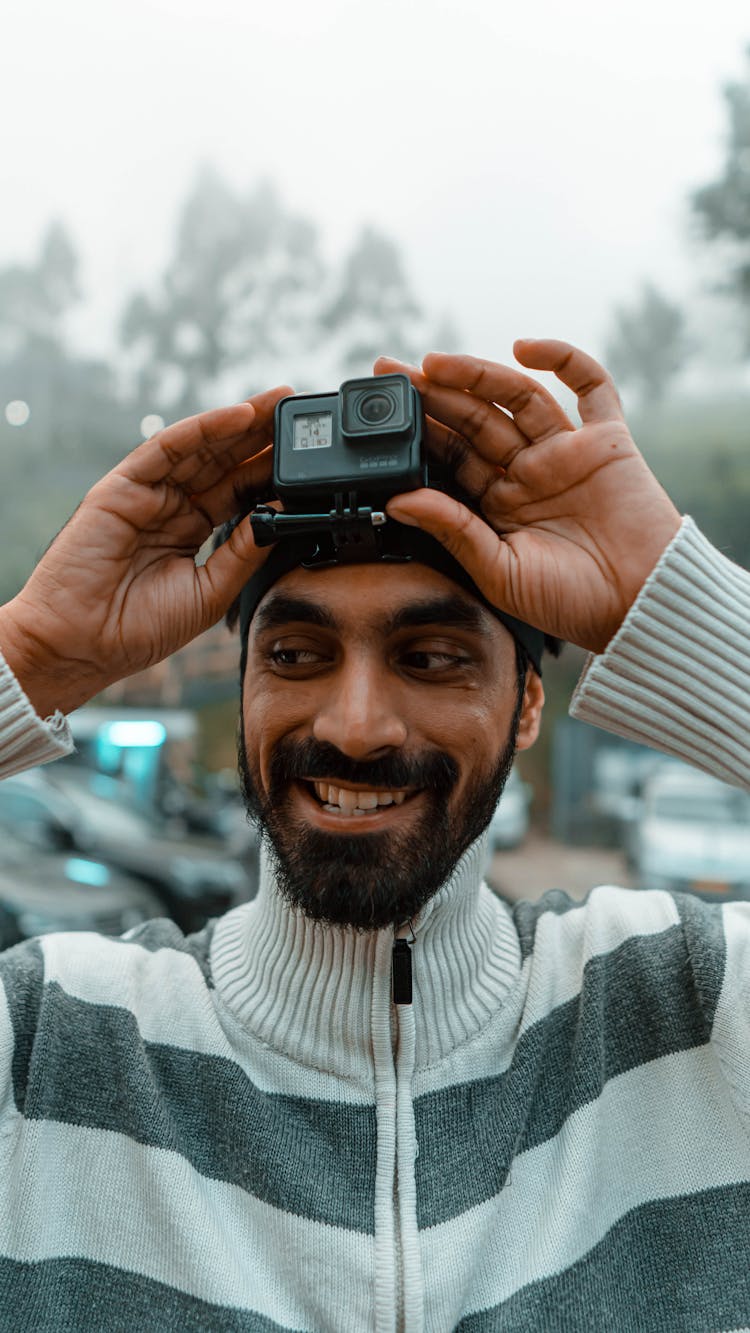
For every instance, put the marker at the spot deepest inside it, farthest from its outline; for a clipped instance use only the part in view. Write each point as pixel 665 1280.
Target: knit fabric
pixel 240 1131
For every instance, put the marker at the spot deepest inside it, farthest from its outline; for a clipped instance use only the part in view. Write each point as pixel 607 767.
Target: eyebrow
pixel 452 610
pixel 282 609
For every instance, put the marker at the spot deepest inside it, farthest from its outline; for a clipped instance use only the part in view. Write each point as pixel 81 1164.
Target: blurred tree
pixel 704 469
pixel 35 298
pixel 372 310
pixel 245 301
pixel 648 345
pixel 75 427
pixel 241 286
pixel 72 399
pixel 723 206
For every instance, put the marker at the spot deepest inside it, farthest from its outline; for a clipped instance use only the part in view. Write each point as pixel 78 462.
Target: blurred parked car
pixel 692 833
pixel 43 890
pixel 510 822
pixel 87 812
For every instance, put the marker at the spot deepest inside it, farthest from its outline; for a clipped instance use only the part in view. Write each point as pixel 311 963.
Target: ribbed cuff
pixel 26 739
pixel 675 676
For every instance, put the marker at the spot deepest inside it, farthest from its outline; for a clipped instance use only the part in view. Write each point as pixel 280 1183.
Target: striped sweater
pixel 240 1131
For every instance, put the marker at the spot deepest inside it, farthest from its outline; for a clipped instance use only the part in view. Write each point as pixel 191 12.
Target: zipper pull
pixel 401 972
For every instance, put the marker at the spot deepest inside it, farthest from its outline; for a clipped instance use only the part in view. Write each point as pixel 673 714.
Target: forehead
pixel 378 597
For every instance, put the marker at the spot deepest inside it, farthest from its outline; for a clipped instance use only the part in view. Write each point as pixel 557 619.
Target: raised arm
pixel 574 519
pixel 580 540
pixel 119 588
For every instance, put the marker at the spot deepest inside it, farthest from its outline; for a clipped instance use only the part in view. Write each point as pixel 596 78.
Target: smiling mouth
pixel 355 802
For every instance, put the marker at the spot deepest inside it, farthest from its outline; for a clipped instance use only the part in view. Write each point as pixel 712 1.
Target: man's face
pixel 380 718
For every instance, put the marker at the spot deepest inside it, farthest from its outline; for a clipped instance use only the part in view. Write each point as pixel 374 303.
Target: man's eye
pixel 434 661
pixel 291 657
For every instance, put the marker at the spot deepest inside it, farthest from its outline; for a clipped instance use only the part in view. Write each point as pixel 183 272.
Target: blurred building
pixel 204 671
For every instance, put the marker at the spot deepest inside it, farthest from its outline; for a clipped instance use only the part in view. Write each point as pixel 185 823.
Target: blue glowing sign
pixel 87 872
pixel 127 733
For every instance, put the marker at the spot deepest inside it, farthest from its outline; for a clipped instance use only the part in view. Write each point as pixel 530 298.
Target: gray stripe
pixel 703 924
pixel 22 972
pixel 674 1266
pixel 79 1296
pixel 165 934
pixel 315 1159
pixel 648 998
pixel 527 915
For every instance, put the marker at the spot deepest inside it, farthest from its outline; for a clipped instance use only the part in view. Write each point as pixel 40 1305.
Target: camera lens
pixel 375 408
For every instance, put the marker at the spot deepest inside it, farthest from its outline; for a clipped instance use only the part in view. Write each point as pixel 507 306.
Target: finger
pixel 445 444
pixel 535 411
pixel 198 481
pixel 495 436
pixel 194 437
pixel 598 399
pixel 211 442
pixel 471 541
pixel 228 569
pixel 232 492
pixel 449 451
pixel 199 472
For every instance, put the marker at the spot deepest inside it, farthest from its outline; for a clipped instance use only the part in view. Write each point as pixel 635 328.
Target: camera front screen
pixel 313 431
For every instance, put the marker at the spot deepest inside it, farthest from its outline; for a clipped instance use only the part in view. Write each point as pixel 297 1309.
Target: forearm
pixel 51 684
pixel 676 674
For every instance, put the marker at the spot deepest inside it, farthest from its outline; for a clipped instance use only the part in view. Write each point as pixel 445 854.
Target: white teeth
pixel 367 800
pixel 342 801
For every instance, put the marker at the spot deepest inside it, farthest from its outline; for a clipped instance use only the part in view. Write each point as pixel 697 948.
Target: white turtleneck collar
pixel 315 992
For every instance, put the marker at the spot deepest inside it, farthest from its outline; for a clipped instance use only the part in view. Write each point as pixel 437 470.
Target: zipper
pixel 401 980
pixel 401 972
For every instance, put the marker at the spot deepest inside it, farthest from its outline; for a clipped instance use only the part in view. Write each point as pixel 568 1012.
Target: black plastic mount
pixel 351 528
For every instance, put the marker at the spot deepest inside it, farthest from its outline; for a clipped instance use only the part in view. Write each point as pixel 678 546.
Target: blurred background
pixel 200 200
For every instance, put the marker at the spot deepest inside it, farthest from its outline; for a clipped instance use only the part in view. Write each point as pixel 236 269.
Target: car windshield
pixel 695 808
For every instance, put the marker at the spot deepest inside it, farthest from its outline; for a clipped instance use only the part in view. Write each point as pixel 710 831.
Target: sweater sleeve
pixel 25 738
pixel 675 676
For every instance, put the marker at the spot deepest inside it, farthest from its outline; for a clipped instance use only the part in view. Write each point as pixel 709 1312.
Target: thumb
pixel 464 535
pixel 229 568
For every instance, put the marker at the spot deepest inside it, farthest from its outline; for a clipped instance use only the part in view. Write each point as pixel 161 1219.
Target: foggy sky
pixel 532 160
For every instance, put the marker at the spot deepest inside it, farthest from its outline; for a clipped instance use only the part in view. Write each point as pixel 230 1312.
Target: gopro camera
pixel 338 457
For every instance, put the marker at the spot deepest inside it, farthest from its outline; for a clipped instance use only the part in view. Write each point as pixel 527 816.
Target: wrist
pixel 50 681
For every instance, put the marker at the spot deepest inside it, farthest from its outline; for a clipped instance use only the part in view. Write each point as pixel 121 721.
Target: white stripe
pixel 553 975
pixel 665 1129
pixel 100 1196
pixel 565 943
pixel 166 992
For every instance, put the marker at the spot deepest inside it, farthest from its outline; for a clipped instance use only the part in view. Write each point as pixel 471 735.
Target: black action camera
pixel 338 457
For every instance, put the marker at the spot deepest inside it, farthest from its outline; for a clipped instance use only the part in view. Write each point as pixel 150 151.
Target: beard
pixel 369 881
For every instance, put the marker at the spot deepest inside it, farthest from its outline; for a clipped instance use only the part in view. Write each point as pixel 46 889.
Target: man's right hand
pixel 119 589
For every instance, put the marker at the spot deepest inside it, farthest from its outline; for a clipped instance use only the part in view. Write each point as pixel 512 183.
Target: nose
pixel 359 714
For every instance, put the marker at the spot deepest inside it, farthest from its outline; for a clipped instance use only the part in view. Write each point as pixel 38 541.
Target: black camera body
pixel 366 438
pixel 338 457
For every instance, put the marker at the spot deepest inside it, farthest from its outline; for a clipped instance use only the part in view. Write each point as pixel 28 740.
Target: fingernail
pixel 394 510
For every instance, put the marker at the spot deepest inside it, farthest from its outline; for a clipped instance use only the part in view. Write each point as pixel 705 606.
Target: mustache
pixel 309 758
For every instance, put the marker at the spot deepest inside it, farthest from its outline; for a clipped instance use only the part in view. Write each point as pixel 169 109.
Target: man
pixel 261 1127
